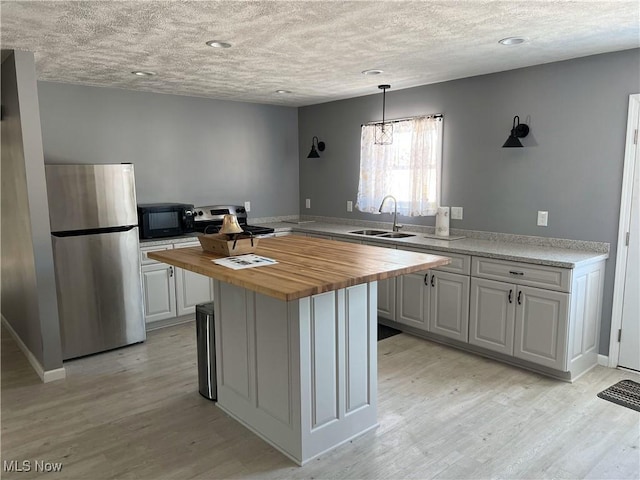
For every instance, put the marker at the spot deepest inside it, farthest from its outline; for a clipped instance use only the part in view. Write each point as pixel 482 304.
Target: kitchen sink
pixel 369 232
pixel 396 235
pixel 383 234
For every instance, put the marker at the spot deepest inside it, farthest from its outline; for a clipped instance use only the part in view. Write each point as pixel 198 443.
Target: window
pixel 409 168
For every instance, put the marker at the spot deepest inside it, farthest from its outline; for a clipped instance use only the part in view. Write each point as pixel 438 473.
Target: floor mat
pixel 386 332
pixel 625 393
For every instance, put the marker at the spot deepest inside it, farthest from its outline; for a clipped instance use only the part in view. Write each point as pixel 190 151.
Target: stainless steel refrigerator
pixel 94 232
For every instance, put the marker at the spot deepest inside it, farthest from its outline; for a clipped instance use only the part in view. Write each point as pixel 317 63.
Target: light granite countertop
pixel 534 250
pixel 497 247
pixel 156 242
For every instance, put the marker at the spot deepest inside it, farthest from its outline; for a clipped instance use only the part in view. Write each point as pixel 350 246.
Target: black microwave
pixel 165 219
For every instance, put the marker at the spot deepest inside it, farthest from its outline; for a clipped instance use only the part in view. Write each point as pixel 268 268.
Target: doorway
pixel 624 349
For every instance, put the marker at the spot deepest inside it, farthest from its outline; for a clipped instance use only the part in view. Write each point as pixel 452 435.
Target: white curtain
pixel 409 168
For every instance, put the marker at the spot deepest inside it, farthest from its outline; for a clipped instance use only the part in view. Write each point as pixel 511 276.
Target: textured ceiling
pixel 315 49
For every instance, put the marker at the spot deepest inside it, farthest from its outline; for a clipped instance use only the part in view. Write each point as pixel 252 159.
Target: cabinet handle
pixel 433 277
pixel 170 272
pixel 513 272
pixel 520 297
pixel 511 295
pixel 426 279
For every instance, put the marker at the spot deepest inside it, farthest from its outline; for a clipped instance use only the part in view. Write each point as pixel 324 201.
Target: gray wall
pixel 185 149
pixel 28 284
pixel 571 166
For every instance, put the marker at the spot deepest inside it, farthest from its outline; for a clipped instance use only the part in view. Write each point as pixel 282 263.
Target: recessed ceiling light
pixel 140 73
pixel 512 41
pixel 218 44
pixel 372 72
pixel 283 92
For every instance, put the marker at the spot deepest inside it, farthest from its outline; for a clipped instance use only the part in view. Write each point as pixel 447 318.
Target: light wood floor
pixel 135 413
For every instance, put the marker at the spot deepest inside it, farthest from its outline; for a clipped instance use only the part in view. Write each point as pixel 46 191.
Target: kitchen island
pixel 296 352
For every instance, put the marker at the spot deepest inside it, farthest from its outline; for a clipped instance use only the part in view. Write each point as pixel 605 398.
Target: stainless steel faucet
pixel 396 227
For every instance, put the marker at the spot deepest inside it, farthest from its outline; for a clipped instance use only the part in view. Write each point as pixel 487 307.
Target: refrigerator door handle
pixel 93 231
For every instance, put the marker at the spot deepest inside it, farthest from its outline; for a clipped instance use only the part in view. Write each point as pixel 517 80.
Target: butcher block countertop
pixel 306 266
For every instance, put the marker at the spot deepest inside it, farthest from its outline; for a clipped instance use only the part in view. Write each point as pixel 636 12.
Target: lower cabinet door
pixel 191 289
pixel 387 298
pixel 541 327
pixel 159 292
pixel 492 315
pixel 449 309
pixel 413 300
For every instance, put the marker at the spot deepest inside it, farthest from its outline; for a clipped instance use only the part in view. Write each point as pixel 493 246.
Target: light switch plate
pixel 307 203
pixel 247 206
pixel 456 213
pixel 349 206
pixel 543 218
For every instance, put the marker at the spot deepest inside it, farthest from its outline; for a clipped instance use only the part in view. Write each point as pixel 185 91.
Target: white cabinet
pixel 449 305
pixel 386 290
pixel 436 302
pixel 528 322
pixel 413 295
pixel 171 292
pixel 543 317
pixel 191 288
pixel 492 315
pixel 541 327
pixel 159 292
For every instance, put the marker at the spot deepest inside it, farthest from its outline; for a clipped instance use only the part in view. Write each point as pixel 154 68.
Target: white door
pixel 413 300
pixel 449 312
pixel 387 298
pixel 159 291
pixel 630 336
pixel 492 315
pixel 191 289
pixel 542 318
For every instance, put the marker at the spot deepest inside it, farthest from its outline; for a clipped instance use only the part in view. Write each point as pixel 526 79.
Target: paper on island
pixel 244 261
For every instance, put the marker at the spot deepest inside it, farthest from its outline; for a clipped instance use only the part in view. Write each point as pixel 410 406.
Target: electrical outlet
pixel 456 213
pixel 247 206
pixel 349 206
pixel 543 218
pixel 307 203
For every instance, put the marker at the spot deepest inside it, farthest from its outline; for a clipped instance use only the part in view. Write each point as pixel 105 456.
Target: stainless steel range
pixel 208 219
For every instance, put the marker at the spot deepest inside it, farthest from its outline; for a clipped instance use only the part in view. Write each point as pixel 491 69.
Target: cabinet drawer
pixel 186 244
pixel 459 263
pixel 144 260
pixel 551 278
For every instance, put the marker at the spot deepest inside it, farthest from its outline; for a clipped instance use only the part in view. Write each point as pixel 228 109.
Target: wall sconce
pixel 519 130
pixel 315 143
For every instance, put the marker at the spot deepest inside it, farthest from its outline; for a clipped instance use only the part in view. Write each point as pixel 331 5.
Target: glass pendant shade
pixel 383 134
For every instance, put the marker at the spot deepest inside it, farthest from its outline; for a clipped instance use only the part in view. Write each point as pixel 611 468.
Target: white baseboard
pixel 603 360
pixel 45 375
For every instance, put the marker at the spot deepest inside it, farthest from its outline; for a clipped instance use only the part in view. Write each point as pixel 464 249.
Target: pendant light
pixel 384 131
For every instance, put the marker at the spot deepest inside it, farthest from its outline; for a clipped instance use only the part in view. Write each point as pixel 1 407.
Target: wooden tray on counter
pixel 227 245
